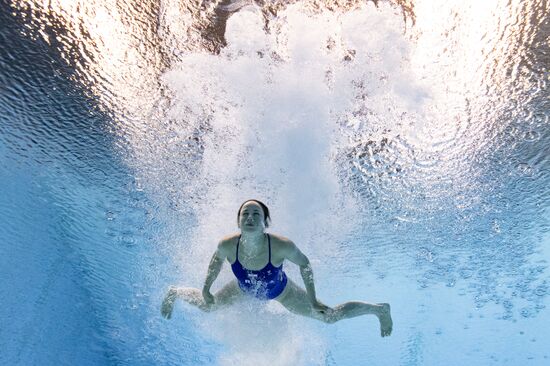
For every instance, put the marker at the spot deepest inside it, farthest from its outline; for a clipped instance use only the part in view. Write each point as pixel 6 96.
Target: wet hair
pixel 267 218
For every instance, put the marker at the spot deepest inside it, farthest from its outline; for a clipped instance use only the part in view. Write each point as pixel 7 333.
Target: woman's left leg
pixel 295 300
pixel 352 309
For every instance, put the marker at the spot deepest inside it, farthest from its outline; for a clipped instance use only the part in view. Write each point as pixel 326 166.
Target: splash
pixel 383 150
pixel 272 102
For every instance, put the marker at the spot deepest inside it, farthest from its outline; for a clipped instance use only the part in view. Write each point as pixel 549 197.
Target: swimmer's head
pixel 253 213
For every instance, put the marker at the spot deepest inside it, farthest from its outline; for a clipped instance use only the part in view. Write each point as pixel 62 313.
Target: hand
pixel 208 297
pixel 168 303
pixel 320 307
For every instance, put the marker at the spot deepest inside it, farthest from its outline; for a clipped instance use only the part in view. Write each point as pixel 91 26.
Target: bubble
pixel 526 313
pixel 541 291
pixel 525 169
pixel 496 227
pixel 508 305
pixel 425 253
pixel 531 136
pixel 127 240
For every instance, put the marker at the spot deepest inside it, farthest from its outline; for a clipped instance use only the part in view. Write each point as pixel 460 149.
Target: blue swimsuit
pixel 266 283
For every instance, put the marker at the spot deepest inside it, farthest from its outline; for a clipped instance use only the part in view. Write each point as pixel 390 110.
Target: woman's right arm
pixel 214 269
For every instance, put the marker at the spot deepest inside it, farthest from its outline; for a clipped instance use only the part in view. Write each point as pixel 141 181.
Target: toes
pixel 385 332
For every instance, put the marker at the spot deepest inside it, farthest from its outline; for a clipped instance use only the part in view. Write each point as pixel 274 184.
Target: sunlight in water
pixel 406 158
pixel 112 53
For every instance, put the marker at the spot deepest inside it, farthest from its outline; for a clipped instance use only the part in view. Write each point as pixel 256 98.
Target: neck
pixel 252 236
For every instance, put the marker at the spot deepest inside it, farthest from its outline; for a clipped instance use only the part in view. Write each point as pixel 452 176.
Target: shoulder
pixel 286 249
pixel 282 243
pixel 228 243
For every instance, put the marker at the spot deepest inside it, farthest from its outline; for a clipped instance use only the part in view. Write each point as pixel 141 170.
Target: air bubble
pixel 531 136
pixel 426 254
pixel 526 313
pixel 525 169
pixel 541 291
pixel 496 227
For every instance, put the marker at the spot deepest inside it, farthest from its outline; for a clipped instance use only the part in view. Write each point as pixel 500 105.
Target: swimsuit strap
pixel 237 254
pixel 269 244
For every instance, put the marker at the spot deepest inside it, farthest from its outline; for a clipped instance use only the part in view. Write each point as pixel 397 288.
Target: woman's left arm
pixel 293 254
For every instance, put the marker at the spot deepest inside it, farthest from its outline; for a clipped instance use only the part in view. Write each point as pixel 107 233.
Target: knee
pixel 207 308
pixel 329 318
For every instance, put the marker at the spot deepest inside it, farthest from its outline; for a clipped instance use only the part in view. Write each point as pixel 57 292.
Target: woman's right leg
pixel 224 297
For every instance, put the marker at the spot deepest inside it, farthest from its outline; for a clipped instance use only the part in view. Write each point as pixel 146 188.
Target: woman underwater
pixel 256 259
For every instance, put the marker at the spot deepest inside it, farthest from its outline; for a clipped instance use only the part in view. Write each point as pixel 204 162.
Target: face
pixel 251 218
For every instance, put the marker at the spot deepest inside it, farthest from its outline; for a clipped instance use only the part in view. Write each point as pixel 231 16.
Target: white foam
pixel 272 102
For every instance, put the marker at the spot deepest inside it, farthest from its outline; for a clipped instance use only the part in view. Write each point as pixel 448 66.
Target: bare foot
pixel 168 303
pixel 386 323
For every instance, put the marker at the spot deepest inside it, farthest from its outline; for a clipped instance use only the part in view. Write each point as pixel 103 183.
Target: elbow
pixel 305 266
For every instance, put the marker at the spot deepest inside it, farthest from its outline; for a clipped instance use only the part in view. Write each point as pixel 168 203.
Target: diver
pixel 256 259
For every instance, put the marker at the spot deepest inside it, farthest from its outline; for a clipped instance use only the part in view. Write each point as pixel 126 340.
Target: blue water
pixel 405 148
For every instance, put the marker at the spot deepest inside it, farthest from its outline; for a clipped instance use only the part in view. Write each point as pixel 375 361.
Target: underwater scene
pixel 403 146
